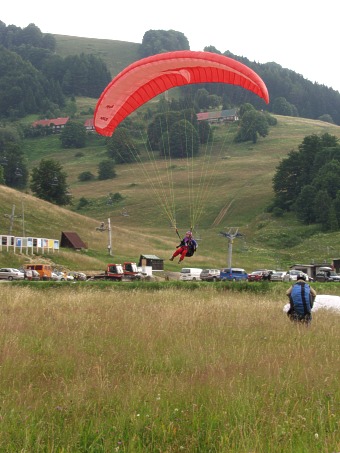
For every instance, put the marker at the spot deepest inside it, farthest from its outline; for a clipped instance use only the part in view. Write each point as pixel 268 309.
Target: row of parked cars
pixel 10 273
pixel 213 275
pixel 232 274
pixel 238 274
pixel 276 276
pixel 324 274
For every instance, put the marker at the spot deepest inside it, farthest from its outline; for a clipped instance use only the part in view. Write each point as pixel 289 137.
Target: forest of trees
pixel 307 182
pixel 34 79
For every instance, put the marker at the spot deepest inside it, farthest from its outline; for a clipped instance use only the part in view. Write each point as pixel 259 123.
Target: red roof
pixel 215 115
pixel 202 116
pixel 51 122
pixel 89 122
pixel 72 240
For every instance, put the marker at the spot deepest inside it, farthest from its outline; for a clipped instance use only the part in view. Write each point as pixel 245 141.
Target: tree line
pixel 307 182
pixel 290 93
pixel 35 79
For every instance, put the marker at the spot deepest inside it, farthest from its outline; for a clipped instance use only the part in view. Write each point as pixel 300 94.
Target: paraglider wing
pixel 151 76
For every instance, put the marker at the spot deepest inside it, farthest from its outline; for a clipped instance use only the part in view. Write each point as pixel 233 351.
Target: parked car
pixel 278 276
pixel 44 270
pixel 260 274
pixel 255 276
pixel 57 276
pixel 31 274
pixel 292 274
pixel 190 273
pixel 233 274
pixel 10 273
pixel 78 276
pixel 327 274
pixel 210 275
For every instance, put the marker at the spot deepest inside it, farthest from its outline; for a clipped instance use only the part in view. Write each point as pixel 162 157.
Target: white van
pixel 190 273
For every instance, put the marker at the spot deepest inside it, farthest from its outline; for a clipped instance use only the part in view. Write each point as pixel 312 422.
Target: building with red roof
pixel 56 123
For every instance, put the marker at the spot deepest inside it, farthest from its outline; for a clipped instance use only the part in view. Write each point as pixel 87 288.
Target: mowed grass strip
pixel 84 369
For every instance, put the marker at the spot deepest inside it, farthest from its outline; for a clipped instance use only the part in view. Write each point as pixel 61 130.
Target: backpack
pixel 191 249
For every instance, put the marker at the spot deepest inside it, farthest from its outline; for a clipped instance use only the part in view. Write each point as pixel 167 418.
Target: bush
pixel 116 197
pixel 82 203
pixel 86 176
pixel 106 170
pixel 278 212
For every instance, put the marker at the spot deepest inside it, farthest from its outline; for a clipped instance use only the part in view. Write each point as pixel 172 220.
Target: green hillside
pixel 241 190
pixel 116 54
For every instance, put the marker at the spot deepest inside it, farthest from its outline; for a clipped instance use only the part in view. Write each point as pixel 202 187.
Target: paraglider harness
pixel 189 244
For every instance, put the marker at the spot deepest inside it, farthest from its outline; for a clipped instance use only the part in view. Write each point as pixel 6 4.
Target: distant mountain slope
pixel 116 54
pixel 301 97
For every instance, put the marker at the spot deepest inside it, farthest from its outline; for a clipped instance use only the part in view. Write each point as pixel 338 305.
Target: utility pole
pixel 23 219
pixel 11 218
pixel 102 228
pixel 109 247
pixel 230 235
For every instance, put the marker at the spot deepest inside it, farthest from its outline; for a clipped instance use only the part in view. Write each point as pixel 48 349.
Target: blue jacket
pixel 300 298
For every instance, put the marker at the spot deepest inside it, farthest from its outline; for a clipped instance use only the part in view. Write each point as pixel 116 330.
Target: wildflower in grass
pixel 119 444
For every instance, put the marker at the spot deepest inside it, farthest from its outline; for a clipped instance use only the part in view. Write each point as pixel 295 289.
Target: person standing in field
pixel 301 299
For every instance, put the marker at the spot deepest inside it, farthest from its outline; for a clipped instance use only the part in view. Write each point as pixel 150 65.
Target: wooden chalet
pixel 58 124
pixel 220 116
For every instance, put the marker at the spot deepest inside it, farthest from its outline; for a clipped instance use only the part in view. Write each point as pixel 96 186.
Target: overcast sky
pixel 299 35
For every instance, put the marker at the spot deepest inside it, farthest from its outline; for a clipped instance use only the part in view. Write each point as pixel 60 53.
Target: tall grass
pixel 168 370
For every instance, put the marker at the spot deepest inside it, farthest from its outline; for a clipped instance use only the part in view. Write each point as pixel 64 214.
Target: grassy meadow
pixel 196 368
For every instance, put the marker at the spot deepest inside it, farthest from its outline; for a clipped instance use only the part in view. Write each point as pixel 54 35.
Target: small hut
pixel 156 263
pixel 70 239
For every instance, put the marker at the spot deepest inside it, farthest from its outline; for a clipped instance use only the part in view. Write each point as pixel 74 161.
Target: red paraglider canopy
pixel 147 78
